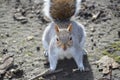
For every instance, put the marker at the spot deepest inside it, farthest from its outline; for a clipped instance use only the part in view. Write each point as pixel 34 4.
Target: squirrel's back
pixel 61 9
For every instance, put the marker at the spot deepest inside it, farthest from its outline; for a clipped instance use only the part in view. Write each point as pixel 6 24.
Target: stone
pixel 30 38
pixel 105 62
pixel 19 17
pixel 5 63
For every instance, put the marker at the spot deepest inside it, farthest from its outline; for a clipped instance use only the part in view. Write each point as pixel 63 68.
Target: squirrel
pixel 63 37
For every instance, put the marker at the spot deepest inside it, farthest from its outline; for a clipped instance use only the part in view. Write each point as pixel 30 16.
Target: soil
pixel 21 27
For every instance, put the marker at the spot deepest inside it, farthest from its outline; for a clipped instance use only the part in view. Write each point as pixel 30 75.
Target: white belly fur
pixel 64 54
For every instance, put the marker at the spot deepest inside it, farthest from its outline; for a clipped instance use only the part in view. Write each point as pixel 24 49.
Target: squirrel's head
pixel 63 37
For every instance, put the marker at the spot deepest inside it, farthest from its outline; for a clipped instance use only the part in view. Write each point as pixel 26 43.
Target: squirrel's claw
pixel 85 52
pixel 46 53
pixel 81 67
pixel 52 69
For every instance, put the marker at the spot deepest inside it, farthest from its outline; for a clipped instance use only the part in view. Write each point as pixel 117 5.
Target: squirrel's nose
pixel 64 47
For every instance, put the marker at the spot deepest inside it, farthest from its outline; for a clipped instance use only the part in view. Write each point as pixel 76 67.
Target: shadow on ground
pixel 68 74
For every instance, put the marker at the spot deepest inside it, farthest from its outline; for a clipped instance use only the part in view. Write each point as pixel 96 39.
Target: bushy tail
pixel 61 9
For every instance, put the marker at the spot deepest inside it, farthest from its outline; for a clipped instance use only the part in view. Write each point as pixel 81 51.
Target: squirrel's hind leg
pixel 78 57
pixel 53 59
pixel 45 40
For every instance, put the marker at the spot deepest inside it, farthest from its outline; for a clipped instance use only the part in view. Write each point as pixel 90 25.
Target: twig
pixel 95 16
pixel 110 69
pixel 7 62
pixel 46 73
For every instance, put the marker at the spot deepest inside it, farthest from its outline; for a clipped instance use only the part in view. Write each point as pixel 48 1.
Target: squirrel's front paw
pixel 81 67
pixel 85 52
pixel 52 69
pixel 46 53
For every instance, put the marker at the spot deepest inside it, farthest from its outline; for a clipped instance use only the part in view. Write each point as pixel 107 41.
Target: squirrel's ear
pixel 69 28
pixel 56 28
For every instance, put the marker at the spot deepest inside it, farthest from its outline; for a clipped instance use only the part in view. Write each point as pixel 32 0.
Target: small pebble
pixel 92 40
pixel 1 35
pixel 41 78
pixel 5 51
pixel 14 41
pixel 30 38
pixel 7 35
pixel 94 44
pixel 38 48
pixel 92 30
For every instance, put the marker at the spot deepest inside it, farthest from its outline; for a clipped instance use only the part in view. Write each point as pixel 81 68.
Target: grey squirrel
pixel 63 37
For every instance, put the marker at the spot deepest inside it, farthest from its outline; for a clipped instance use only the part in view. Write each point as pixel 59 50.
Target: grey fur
pixel 76 50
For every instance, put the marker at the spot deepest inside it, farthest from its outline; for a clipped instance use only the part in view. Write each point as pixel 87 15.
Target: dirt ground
pixel 22 25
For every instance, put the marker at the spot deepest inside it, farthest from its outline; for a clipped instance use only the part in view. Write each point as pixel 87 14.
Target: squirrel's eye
pixel 57 39
pixel 70 38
